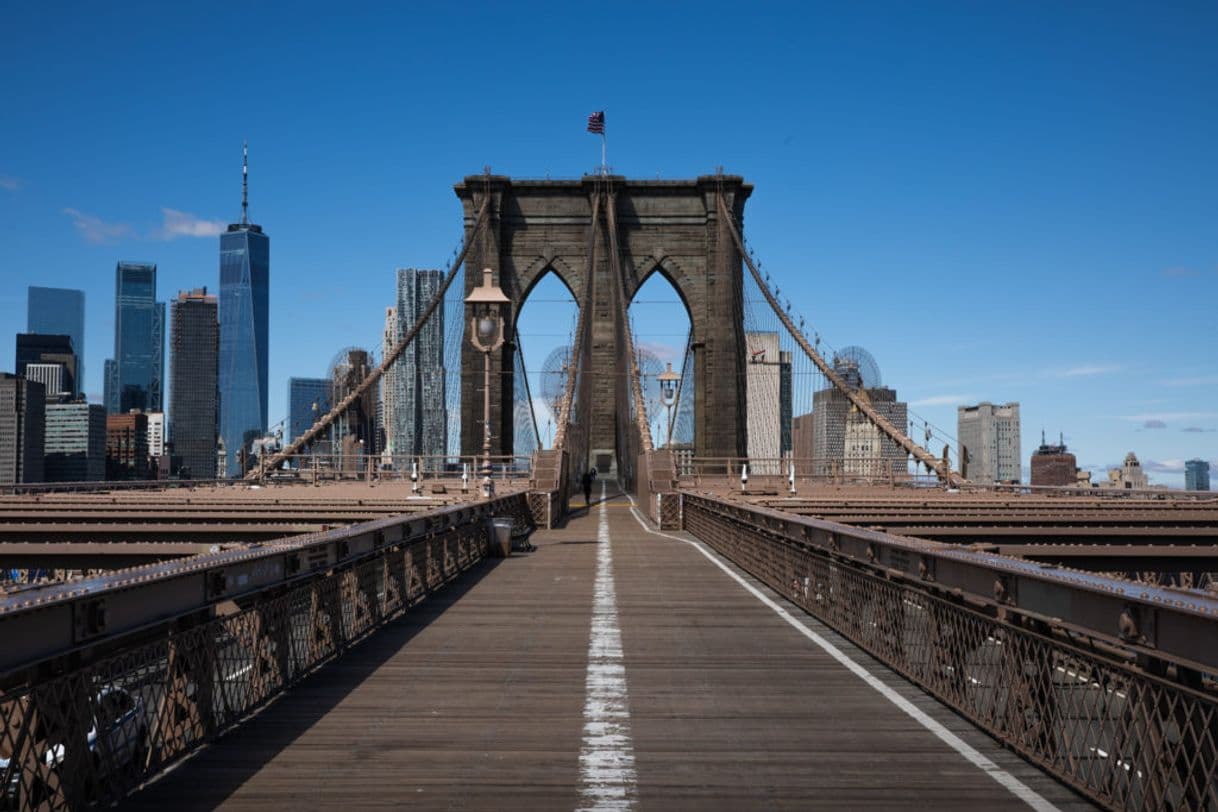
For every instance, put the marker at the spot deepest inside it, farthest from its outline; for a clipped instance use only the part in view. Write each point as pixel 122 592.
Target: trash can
pixel 501 537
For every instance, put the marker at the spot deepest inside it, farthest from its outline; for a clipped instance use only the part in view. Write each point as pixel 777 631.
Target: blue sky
pixel 999 200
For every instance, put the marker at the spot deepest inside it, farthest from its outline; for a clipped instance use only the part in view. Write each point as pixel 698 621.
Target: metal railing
pixel 773 473
pixel 1106 685
pixel 106 684
pixel 335 465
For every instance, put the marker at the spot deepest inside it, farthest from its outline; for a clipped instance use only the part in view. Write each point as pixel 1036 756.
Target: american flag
pixel 596 122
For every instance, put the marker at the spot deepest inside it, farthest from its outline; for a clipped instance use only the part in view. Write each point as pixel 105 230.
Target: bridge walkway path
pixel 510 690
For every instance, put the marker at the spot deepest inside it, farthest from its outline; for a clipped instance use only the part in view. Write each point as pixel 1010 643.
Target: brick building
pixel 127 446
pixel 1054 465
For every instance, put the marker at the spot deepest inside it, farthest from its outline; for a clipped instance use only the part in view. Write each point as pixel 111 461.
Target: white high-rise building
pixel 863 448
pixel 765 402
pixel 989 436
pixel 156 434
pixel 389 388
pixel 49 375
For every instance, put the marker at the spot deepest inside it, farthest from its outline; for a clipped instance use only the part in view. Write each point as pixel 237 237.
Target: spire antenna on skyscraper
pixel 245 186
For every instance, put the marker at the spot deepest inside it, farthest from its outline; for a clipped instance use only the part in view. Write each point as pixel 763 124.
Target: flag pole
pixel 604 167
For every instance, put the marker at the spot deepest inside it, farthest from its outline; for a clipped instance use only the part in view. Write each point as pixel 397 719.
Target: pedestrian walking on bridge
pixel 586 482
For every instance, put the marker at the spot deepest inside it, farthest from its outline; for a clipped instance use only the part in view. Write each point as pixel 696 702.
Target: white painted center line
pixel 606 759
pixel 968 752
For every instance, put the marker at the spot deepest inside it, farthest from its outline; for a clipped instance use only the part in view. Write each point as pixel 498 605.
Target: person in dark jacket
pixel 586 482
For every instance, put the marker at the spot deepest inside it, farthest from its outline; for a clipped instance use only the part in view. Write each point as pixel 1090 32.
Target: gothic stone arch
pixel 671 227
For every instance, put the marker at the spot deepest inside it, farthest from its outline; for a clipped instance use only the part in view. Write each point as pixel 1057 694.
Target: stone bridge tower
pixel 670 227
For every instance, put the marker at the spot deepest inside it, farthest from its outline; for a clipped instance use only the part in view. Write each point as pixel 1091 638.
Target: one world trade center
pixel 245 268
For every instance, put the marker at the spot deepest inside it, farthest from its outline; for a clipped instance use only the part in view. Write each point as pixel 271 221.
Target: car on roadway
pixel 117 741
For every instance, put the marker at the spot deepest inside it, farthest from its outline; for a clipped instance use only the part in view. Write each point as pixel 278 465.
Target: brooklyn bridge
pixel 719 623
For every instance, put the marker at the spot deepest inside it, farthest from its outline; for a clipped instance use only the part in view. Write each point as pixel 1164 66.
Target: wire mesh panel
pixel 1126 736
pixel 88 737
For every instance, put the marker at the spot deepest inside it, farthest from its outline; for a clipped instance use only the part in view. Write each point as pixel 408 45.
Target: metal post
pixel 488 486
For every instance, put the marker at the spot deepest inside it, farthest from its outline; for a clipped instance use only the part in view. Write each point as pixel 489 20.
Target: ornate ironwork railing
pixel 85 725
pixel 1125 712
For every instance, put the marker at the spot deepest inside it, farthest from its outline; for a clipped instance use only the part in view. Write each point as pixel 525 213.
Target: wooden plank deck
pixel 477 701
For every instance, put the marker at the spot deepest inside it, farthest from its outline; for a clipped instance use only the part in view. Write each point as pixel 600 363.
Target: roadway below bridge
pixel 612 668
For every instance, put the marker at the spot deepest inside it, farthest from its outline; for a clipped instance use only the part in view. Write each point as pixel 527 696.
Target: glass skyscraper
pixel 60 311
pixel 245 268
pixel 420 421
pixel 303 394
pixel 1196 475
pixel 135 376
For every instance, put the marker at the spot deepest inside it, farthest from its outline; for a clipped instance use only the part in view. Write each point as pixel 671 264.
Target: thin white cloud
pixel 184 224
pixel 943 400
pixel 96 230
pixel 10 183
pixel 1164 466
pixel 1169 416
pixel 1199 380
pixel 1085 371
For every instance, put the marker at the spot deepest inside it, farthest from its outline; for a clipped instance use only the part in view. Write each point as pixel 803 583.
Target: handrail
pixel 52 619
pixel 1180 626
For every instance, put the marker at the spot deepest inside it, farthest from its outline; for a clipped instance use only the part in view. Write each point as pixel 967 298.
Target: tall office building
pixel 389 388
pixel 1196 475
pixel 156 434
pixel 39 348
pixel 802 442
pixel 844 442
pixel 354 434
pixel 75 442
pixel 60 311
pixel 127 446
pixel 245 268
pixel 989 437
pixel 769 406
pixel 135 375
pixel 308 400
pixel 51 377
pixel 194 365
pixel 420 420
pixel 22 429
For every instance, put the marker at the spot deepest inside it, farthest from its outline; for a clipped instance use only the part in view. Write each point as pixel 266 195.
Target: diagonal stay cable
pixel 933 463
pixel 342 406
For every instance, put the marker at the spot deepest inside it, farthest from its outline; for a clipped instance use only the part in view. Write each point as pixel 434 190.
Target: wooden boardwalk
pixel 480 699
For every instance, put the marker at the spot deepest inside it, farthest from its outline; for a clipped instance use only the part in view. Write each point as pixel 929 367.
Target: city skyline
pixel 1074 192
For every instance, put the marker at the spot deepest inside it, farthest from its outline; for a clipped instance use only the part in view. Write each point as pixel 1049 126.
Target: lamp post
pixel 486 303
pixel 668 396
